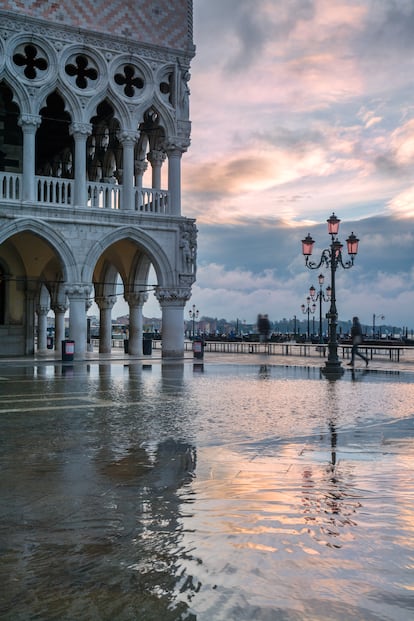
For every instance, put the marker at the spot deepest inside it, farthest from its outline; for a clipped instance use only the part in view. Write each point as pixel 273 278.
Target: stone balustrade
pixel 99 195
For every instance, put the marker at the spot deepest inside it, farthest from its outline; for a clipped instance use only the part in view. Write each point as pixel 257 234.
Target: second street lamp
pixel 193 315
pixel 332 258
pixel 322 296
pixel 307 309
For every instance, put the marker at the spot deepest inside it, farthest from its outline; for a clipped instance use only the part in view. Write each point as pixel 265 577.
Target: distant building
pixel 94 102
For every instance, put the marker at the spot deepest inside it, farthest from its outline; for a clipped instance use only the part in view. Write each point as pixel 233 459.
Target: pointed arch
pixel 49 235
pixel 154 250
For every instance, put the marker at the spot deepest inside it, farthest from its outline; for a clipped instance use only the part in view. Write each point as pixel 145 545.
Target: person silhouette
pixel 356 336
pixel 263 325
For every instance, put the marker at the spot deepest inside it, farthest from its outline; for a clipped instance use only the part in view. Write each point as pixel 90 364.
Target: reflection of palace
pixel 328 503
pixel 94 117
pixel 144 487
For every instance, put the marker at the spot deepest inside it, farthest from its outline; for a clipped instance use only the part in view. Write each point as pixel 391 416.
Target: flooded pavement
pixel 157 491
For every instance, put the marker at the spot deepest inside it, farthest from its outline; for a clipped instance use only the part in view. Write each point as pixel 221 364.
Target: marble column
pixel 174 149
pixel 136 301
pixel 140 167
pixel 42 312
pixel 80 133
pixel 78 294
pixel 29 124
pixel 105 305
pixel 59 310
pixel 128 139
pixel 156 159
pixel 172 301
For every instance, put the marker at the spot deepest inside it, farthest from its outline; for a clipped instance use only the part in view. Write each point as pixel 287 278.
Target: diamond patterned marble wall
pixel 158 22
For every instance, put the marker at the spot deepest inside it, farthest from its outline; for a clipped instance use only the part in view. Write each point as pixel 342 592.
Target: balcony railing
pixel 103 195
pixel 10 186
pixel 57 191
pixel 151 201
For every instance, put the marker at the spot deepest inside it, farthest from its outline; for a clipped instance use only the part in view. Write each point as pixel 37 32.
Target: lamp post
pixel 307 309
pixel 332 258
pixel 193 315
pixel 322 296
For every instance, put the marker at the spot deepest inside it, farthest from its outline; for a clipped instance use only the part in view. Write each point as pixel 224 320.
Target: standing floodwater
pixel 210 492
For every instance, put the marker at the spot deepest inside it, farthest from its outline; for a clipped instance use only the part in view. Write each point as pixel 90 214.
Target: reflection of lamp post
pixel 193 315
pixel 322 296
pixel 373 323
pixel 307 309
pixel 332 258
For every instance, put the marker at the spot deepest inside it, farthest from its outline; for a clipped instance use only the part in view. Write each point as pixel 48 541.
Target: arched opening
pixel 11 137
pixel 54 144
pixel 30 268
pixel 123 281
pixel 104 151
pixel 150 148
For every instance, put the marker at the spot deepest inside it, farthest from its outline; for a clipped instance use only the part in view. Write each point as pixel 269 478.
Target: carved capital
pixel 136 299
pixel 176 145
pixel 126 136
pixel 41 309
pixel 31 121
pixel 156 157
pixel 78 290
pixel 59 309
pixel 140 167
pixel 174 296
pixel 80 129
pixel 104 302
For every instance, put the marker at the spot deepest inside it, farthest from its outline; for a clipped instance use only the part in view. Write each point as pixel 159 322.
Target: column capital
pixel 136 299
pixel 128 136
pixel 174 296
pixel 59 308
pixel 41 309
pixel 80 129
pixel 140 166
pixel 156 157
pixel 30 121
pixel 176 145
pixel 78 290
pixel 105 302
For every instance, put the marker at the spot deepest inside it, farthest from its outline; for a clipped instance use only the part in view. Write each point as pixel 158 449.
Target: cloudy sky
pixel 300 108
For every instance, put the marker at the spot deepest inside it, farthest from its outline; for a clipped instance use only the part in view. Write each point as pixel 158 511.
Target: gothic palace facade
pixel 94 120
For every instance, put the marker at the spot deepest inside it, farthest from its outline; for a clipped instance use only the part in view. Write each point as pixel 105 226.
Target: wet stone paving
pixel 155 491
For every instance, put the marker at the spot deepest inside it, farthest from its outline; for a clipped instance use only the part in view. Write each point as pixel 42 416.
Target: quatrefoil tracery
pixel 82 72
pixel 30 61
pixel 129 81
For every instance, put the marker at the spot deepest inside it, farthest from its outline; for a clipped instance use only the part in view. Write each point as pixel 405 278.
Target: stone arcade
pixel 93 109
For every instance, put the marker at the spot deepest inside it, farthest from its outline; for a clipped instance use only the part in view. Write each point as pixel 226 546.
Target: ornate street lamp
pixel 332 258
pixel 307 309
pixel 322 296
pixel 193 315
